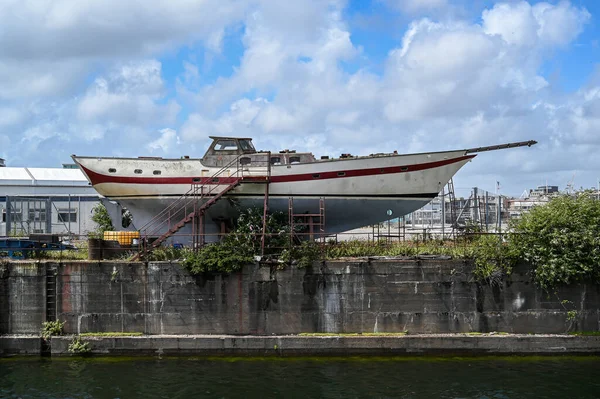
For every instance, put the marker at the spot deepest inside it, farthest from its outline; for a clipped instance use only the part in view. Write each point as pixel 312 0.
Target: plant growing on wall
pixel 51 328
pixel 492 257
pixel 561 240
pixel 79 347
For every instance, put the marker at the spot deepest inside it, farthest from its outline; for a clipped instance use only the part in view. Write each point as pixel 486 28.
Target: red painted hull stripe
pixel 97 178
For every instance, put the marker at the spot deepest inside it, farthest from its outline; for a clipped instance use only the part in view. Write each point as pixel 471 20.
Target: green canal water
pixel 489 377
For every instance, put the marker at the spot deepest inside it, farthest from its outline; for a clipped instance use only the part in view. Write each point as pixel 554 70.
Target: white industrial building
pixel 46 200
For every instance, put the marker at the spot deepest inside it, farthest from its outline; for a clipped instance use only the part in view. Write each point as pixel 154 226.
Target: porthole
pixel 112 170
pixel 316 176
pixel 196 180
pixel 137 171
pixel 341 174
pixel 245 161
pixel 157 172
pixel 404 169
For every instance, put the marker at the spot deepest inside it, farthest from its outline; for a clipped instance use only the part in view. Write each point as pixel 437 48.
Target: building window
pixel 137 171
pixel 112 170
pixel 16 215
pixel 67 215
pixel 36 215
pixel 156 172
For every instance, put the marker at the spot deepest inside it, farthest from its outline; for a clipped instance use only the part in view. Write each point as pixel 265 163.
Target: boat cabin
pixel 224 150
pixel 230 146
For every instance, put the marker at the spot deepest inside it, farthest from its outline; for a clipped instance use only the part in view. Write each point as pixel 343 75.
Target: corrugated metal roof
pixel 42 177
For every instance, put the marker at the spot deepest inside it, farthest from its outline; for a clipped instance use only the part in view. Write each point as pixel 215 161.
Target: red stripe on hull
pixel 97 178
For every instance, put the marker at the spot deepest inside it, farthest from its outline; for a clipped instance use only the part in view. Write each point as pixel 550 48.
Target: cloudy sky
pixel 141 77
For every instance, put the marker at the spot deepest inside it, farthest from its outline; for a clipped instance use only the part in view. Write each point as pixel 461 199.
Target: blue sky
pixel 137 78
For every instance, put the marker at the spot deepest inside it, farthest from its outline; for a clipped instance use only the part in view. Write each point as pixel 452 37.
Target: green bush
pixel 101 217
pixel 492 257
pixel 240 246
pixel 219 257
pixel 561 240
pixel 303 254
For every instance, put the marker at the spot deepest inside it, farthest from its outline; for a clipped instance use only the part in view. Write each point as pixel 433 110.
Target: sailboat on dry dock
pixel 354 191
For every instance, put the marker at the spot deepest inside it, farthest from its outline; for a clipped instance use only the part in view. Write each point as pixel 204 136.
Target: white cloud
pixel 236 121
pixel 448 83
pixel 49 46
pixel 4 145
pixel 10 116
pixel 545 24
pixel 128 95
pixel 168 138
pixel 32 78
pixel 515 23
pixel 62 29
pixel 560 24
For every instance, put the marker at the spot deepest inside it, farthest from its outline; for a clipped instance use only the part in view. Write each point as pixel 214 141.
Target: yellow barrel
pixel 123 237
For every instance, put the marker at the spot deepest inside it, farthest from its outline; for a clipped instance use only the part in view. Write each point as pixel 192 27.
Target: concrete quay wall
pixel 346 296
pixel 223 345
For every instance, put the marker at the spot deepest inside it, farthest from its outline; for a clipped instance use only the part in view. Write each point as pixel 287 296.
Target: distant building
pixel 70 166
pixel 538 196
pixel 47 200
pixel 542 191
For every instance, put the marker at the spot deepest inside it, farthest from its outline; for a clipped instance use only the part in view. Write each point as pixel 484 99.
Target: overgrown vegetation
pixel 241 246
pixel 585 333
pixel 561 240
pixel 52 328
pixel 493 257
pixel 169 253
pixel 361 334
pixel 361 248
pixel 101 217
pixel 111 334
pixel 79 347
pixel 303 254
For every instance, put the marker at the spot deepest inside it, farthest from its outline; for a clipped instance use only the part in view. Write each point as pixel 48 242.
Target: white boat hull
pixel 356 191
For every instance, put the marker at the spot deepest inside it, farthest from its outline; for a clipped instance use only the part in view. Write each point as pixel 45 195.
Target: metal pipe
pixel 500 146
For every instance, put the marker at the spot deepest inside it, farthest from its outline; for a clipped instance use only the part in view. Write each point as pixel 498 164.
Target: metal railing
pixel 198 198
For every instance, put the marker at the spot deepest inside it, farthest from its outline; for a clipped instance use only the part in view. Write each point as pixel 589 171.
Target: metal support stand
pixel 265 205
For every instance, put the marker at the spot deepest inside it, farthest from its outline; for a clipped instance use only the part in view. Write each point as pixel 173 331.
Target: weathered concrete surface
pixel 20 345
pixel 438 344
pixel 22 297
pixel 417 295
